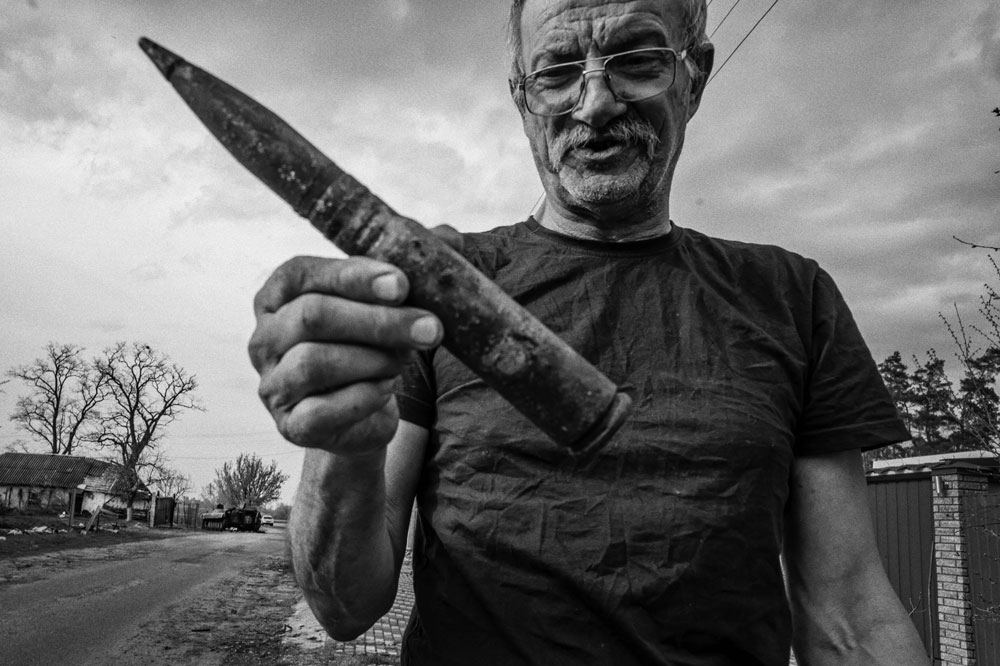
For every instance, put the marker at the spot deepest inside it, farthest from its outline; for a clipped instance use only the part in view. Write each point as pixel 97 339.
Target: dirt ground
pixel 244 620
pixel 63 536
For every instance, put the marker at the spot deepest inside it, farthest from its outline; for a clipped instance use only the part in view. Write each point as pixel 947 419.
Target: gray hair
pixel 694 34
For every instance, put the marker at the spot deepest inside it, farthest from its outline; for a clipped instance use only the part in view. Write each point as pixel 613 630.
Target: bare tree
pixel 146 392
pixel 248 481
pixel 210 494
pixel 65 392
pixel 172 483
pixel 978 350
pixel 17 446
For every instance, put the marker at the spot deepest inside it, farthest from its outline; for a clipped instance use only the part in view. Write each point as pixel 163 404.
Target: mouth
pixel 602 150
pixel 609 149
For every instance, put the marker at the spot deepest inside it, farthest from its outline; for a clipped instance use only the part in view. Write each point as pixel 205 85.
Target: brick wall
pixel 952 564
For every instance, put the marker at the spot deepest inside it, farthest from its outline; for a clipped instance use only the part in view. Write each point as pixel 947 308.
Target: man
pixel 753 393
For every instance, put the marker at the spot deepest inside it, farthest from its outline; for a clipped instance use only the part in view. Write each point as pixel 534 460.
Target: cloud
pixel 988 36
pixel 149 271
pixel 111 328
pixel 59 72
pixel 398 10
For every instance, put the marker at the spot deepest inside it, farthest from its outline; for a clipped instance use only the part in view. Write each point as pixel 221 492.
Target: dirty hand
pixel 331 338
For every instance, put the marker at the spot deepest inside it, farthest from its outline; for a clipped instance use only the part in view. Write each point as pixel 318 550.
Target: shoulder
pixel 763 272
pixel 744 256
pixel 490 251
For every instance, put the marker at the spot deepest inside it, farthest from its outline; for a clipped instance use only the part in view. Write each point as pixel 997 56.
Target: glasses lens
pixel 634 75
pixel 641 74
pixel 553 90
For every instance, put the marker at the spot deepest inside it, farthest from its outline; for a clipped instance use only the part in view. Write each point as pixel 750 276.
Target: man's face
pixel 586 162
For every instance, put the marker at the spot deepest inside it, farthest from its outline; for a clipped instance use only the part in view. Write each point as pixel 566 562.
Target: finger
pixel 316 318
pixel 356 418
pixel 312 369
pixel 355 278
pixel 450 235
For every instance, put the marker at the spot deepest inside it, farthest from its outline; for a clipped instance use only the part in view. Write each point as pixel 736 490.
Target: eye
pixel 557 76
pixel 645 63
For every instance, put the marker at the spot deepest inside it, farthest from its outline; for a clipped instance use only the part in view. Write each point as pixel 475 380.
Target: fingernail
pixel 425 331
pixel 387 287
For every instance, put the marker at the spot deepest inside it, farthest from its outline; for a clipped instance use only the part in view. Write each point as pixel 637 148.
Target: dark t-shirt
pixel 664 549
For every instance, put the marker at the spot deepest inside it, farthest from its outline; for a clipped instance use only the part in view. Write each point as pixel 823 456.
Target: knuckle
pixel 259 349
pixel 274 398
pixel 349 421
pixel 311 315
pixel 304 369
pixel 276 290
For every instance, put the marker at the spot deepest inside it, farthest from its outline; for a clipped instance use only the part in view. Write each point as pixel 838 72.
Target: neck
pixel 619 230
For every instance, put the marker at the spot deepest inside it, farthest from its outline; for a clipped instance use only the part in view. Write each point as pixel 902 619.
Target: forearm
pixel 870 627
pixel 844 610
pixel 344 558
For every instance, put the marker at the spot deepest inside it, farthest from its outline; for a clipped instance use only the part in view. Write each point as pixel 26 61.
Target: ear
pixel 517 95
pixel 704 57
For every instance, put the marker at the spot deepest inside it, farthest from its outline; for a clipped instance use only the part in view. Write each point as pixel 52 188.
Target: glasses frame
pixel 519 84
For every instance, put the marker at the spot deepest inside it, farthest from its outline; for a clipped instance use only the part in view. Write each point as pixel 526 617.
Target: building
pixel 53 482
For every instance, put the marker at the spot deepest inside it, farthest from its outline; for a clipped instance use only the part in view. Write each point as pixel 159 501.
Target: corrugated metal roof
pixel 983 461
pixel 39 469
pixel 54 471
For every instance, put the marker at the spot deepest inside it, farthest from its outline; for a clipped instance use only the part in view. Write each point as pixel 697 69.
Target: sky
pixel 858 133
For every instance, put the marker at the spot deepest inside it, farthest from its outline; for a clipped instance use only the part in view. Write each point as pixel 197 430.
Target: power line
pixel 228 456
pixel 733 52
pixel 724 19
pixel 209 435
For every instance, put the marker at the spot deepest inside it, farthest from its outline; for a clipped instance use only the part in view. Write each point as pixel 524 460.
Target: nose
pixel 597 106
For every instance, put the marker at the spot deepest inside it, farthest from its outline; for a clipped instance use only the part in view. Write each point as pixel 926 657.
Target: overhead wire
pixel 723 19
pixel 733 52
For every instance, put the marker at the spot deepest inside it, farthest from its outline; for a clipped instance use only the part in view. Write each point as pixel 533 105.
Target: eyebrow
pixel 564 44
pixel 637 34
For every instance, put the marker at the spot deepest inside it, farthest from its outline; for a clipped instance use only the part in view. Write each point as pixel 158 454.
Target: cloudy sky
pixel 856 132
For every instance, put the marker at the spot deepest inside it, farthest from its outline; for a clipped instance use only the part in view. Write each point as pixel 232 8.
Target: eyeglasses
pixel 631 76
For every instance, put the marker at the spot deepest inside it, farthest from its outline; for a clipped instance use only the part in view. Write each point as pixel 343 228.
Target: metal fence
pixel 188 513
pixel 903 517
pixel 982 533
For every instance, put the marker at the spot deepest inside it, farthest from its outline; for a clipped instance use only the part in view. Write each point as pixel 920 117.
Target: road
pixel 95 615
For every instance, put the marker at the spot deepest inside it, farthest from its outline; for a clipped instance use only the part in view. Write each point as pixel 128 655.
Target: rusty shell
pixel 514 353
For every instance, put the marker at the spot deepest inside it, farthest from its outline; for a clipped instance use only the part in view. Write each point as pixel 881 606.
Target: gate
pixel 982 534
pixel 188 513
pixel 903 517
pixel 164 512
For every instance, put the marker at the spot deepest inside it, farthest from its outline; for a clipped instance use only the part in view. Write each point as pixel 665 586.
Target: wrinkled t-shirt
pixel 664 548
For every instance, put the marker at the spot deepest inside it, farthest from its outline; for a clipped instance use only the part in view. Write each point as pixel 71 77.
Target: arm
pixel 844 611
pixel 331 338
pixel 349 527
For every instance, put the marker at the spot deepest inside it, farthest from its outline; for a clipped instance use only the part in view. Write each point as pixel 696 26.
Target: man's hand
pixel 331 338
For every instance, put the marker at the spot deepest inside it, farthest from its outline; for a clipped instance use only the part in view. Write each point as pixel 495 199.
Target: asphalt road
pixel 81 615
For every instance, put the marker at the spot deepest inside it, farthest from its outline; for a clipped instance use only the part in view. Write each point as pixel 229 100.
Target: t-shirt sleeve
pixel 846 403
pixel 415 392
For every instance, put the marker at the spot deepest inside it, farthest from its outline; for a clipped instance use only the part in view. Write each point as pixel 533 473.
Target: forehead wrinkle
pixel 581 30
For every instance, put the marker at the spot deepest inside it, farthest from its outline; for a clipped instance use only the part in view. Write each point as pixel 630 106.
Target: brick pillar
pixel 954 609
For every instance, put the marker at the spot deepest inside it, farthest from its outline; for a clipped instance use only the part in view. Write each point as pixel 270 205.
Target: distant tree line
pixel 945 414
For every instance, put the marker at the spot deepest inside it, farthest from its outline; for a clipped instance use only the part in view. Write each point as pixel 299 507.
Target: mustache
pixel 635 131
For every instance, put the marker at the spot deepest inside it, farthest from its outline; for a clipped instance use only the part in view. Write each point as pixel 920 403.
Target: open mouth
pixel 598 145
pixel 602 148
